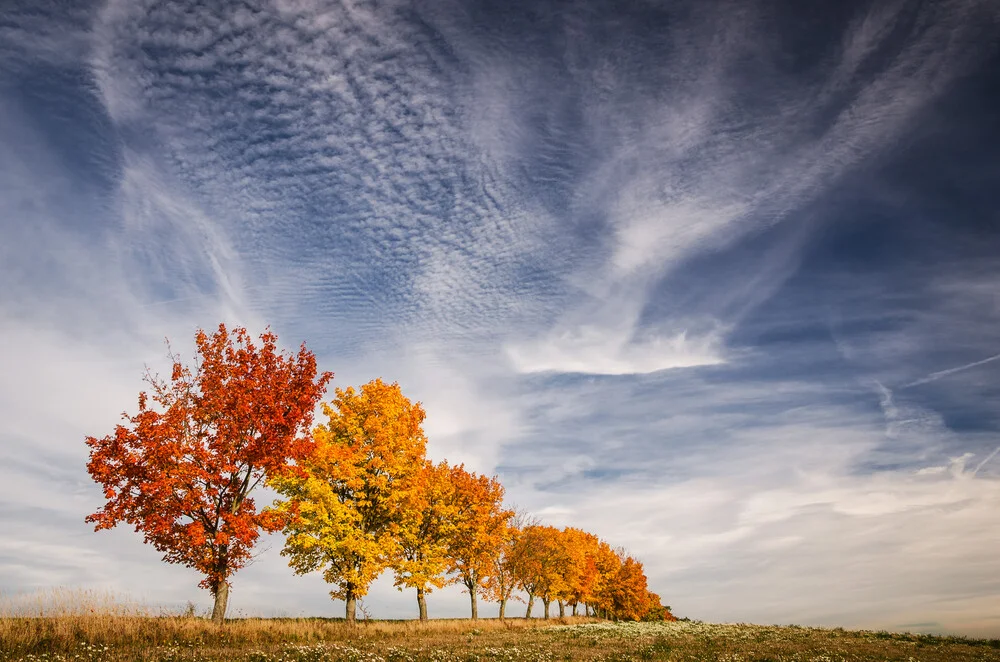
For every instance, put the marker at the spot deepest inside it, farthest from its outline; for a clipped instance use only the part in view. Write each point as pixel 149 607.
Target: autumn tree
pixel 181 470
pixel 504 561
pixel 607 563
pixel 541 561
pixel 579 574
pixel 556 564
pixel 480 526
pixel 657 611
pixel 629 593
pixel 347 501
pixel 427 524
pixel 526 566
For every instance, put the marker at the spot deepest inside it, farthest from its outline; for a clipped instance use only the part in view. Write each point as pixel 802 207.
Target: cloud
pixel 624 261
pixel 34 34
pixel 756 534
pixel 691 176
pixel 596 351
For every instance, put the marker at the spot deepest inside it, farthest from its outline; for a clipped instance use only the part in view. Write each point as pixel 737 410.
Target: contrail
pixel 988 458
pixel 944 373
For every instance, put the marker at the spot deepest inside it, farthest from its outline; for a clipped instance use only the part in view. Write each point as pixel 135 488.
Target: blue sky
pixel 717 281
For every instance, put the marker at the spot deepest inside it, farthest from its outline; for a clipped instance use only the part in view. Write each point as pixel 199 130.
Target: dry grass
pixel 63 634
pixel 97 627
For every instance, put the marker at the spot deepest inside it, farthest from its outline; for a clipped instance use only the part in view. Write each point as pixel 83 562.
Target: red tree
pixel 181 473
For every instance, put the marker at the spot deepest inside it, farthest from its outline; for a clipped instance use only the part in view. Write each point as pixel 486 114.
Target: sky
pixel 717 281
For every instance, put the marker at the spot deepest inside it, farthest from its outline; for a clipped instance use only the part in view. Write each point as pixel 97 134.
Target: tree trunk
pixel 531 602
pixel 503 608
pixel 422 604
pixel 475 606
pixel 562 609
pixel 545 610
pixel 574 609
pixel 221 601
pixel 352 608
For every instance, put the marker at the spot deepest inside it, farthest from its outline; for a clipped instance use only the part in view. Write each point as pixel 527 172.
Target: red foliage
pixel 182 473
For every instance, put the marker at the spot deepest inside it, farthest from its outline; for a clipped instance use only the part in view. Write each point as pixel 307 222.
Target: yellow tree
pixel 347 497
pixel 480 526
pixel 526 563
pixel 427 522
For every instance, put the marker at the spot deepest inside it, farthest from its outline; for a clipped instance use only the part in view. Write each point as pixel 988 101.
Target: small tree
pixel 504 561
pixel 630 595
pixel 657 611
pixel 346 505
pixel 542 558
pixel 182 472
pixel 581 574
pixel 480 527
pixel 427 523
pixel 608 563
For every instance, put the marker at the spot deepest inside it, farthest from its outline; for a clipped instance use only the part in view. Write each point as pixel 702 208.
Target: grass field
pixel 116 637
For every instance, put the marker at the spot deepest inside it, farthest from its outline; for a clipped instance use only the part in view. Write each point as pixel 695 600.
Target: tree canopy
pixel 182 469
pixel 346 504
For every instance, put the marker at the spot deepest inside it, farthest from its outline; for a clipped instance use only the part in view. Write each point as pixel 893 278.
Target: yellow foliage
pixel 346 501
pixel 427 522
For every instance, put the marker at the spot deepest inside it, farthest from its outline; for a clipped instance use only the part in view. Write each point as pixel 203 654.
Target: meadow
pixel 103 630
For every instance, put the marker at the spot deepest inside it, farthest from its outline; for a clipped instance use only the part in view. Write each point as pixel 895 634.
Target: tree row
pixel 358 496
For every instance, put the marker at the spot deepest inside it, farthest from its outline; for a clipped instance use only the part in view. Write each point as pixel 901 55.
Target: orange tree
pixel 181 470
pixel 504 563
pixel 526 563
pixel 346 504
pixel 579 574
pixel 630 595
pixel 607 563
pixel 556 565
pixel 480 525
pixel 427 523
pixel 542 557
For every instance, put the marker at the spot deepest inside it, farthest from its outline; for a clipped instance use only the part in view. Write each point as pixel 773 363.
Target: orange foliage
pixel 607 564
pixel 182 473
pixel 630 596
pixel 580 574
pixel 657 611
pixel 542 559
pixel 505 564
pixel 427 524
pixel 479 529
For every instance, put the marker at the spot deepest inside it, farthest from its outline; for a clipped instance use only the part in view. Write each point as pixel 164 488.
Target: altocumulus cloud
pixel 713 280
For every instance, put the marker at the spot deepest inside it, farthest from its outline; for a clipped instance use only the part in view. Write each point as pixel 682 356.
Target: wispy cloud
pixel 783 505
pixel 614 351
pixel 688 175
pixel 602 247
